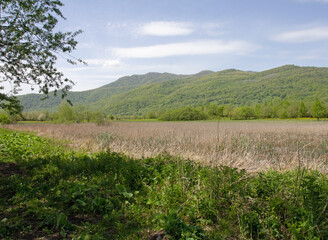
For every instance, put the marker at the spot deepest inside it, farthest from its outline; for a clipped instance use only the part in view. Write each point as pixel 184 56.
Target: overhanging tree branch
pixel 30 46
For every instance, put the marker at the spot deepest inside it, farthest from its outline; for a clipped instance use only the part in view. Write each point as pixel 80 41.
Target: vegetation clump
pixel 4 118
pixel 274 109
pixel 318 110
pixel 49 190
pixel 183 114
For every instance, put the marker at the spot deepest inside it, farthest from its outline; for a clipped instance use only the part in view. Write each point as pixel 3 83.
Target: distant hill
pixel 33 101
pixel 154 91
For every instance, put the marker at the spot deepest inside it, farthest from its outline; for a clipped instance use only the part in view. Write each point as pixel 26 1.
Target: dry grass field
pixel 253 145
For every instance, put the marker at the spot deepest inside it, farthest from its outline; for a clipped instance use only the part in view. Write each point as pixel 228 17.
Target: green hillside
pixel 155 91
pixel 34 101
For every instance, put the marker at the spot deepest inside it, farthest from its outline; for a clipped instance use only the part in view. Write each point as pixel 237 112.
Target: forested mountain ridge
pixel 33 101
pixel 155 91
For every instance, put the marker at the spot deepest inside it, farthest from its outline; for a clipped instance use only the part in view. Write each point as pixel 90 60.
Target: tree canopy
pixel 30 47
pixel 318 110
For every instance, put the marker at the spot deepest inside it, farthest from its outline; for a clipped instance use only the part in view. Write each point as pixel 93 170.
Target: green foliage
pixel 99 118
pixel 318 110
pixel 124 84
pixel 184 114
pixel 275 108
pixel 68 114
pixel 30 46
pixel 303 110
pixel 175 228
pixel 139 94
pixel 214 110
pixel 151 115
pixel 48 190
pixel 65 112
pixel 10 103
pixel 4 118
pixel 246 112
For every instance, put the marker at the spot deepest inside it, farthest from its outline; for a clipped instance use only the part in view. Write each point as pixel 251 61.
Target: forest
pixel 273 109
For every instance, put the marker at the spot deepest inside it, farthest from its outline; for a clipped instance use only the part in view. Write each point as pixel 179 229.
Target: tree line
pixel 275 108
pixel 65 113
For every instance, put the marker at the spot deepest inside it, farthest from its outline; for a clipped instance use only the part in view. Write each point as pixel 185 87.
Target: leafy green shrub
pixel 246 112
pixel 214 110
pixel 99 118
pixel 65 112
pixel 184 114
pixel 4 119
pixel 175 228
pixel 250 224
pixel 318 110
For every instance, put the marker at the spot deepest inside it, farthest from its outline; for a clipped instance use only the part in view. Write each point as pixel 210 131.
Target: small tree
pixel 43 116
pixel 257 110
pixel 65 112
pixel 228 111
pixel 303 110
pixel 211 109
pixel 183 114
pixel 4 119
pixel 318 110
pixel 150 115
pixel 266 110
pixel 246 112
pixel 99 118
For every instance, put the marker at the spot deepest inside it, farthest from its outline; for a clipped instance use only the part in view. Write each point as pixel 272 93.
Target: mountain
pixel 34 101
pixel 155 91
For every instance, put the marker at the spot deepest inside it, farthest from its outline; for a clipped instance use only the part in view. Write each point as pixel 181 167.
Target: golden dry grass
pixel 255 146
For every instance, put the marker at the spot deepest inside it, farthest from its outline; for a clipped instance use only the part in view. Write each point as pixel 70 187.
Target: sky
pixel 126 37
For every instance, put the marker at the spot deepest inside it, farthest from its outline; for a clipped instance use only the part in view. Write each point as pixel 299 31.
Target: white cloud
pixel 301 36
pixel 163 28
pixel 186 48
pixel 104 62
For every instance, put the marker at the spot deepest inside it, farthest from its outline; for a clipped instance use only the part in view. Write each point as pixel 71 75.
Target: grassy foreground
pixel 49 191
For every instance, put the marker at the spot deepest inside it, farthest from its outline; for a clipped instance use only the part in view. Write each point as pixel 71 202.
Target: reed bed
pixel 252 145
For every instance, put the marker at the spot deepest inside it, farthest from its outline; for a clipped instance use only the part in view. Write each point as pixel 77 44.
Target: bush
pixel 214 110
pixel 150 115
pixel 99 118
pixel 246 112
pixel 4 119
pixel 184 114
pixel 318 110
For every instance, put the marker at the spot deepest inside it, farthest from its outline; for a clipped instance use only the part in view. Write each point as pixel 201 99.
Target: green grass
pixel 36 122
pixel 48 190
pixel 139 120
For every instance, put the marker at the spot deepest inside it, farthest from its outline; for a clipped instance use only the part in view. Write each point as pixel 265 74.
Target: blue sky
pixel 125 37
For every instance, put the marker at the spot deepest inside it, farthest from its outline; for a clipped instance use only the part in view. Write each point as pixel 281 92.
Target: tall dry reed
pixel 253 145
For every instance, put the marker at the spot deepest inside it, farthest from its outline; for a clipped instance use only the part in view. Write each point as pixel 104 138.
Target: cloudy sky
pixel 125 37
